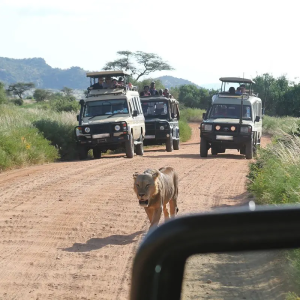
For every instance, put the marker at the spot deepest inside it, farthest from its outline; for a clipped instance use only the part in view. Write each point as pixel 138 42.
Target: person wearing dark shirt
pixel 97 85
pixel 152 89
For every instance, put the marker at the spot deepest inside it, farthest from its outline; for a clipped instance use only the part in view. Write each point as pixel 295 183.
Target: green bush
pixel 185 131
pixel 63 104
pixel 60 135
pixel 33 136
pixel 18 101
pixel 23 147
pixel 192 114
pixel 274 177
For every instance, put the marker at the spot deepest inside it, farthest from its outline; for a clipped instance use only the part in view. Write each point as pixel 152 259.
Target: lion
pixel 154 190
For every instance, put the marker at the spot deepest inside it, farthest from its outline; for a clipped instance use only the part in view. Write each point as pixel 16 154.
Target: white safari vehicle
pixel 233 120
pixel 110 118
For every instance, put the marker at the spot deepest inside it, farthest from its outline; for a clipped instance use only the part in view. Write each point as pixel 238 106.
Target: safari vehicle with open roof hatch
pixel 110 118
pixel 161 118
pixel 233 120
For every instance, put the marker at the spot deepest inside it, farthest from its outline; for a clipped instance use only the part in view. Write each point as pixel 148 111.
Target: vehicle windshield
pixel 155 109
pixel 229 111
pixel 105 107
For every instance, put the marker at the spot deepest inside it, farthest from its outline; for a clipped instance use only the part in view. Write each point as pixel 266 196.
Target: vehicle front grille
pixel 100 128
pixel 150 128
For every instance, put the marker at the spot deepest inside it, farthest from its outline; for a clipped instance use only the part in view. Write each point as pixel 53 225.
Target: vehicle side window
pixel 134 104
pixel 139 105
pixel 130 107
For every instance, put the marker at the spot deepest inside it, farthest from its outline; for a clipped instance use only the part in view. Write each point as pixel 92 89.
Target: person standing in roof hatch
pixel 152 89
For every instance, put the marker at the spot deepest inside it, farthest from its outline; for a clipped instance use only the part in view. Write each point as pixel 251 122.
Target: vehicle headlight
pixel 78 130
pixel 207 127
pixel 87 129
pixel 117 127
pixel 246 129
pixel 232 128
pixel 218 127
pixel 162 127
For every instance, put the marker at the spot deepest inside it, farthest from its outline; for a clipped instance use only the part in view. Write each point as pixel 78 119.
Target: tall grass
pixel 192 114
pixel 274 178
pixel 34 136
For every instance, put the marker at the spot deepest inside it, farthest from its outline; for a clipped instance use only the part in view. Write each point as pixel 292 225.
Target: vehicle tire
pixel 203 148
pixel 83 152
pixel 96 153
pixel 249 149
pixel 129 147
pixel 139 148
pixel 214 150
pixel 169 144
pixel 176 144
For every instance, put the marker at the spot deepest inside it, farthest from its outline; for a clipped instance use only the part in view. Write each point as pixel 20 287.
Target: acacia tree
pixel 41 95
pixel 19 88
pixel 138 63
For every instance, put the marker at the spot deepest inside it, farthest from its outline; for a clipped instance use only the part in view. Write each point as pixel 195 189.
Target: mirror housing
pixel 135 113
pixel 77 117
pixel 158 268
pixel 257 118
pixel 172 115
pixel 81 101
pixel 204 116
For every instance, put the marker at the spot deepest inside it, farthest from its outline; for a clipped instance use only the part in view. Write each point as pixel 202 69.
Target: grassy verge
pixel 192 114
pixel 274 177
pixel 34 136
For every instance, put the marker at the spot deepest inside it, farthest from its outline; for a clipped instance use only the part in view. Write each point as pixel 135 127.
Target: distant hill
pixel 170 81
pixel 36 70
pixel 41 74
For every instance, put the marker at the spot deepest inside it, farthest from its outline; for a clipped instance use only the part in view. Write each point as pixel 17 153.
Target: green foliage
pixel 19 88
pixel 41 95
pixel 191 96
pixel 3 98
pixel 138 63
pixel 192 114
pixel 280 96
pixel 19 101
pixel 185 130
pixel 147 81
pixel 60 135
pixel 67 91
pixel 65 104
pixel 33 136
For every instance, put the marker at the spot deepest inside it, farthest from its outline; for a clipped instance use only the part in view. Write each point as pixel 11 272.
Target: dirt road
pixel 69 230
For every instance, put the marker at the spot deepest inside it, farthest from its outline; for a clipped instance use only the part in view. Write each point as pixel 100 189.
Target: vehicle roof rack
pixel 106 73
pixel 236 79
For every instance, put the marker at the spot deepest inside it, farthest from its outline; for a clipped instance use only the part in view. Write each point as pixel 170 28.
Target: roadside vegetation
pixel 274 177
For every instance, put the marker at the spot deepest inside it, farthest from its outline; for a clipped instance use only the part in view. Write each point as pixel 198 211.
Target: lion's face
pixel 145 187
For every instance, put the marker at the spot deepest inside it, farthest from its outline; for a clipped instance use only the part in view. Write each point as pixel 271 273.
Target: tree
pixel 138 63
pixel 67 91
pixel 41 95
pixel 3 97
pixel 19 88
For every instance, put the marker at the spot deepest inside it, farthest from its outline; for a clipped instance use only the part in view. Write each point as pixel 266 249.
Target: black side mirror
pixel 135 113
pixel 204 116
pixel 77 117
pixel 158 270
pixel 172 115
pixel 257 118
pixel 81 102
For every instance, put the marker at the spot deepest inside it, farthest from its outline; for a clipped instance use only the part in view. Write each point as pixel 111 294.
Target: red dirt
pixel 70 230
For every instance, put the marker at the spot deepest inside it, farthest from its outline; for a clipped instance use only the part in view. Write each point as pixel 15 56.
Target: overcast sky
pixel 202 40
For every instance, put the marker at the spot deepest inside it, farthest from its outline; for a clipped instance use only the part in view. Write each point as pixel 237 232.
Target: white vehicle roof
pixel 236 80
pixel 107 73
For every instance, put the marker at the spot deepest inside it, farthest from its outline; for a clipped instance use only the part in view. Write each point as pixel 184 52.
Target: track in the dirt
pixel 70 230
